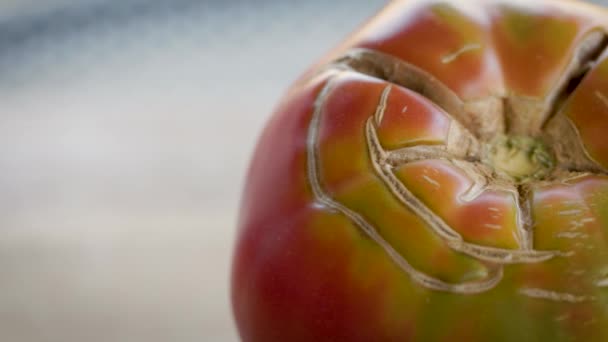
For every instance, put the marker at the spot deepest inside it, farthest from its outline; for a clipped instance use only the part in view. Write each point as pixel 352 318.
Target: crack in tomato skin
pixel 328 187
pixel 336 238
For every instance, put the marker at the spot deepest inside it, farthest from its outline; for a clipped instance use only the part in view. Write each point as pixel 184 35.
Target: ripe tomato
pixel 441 176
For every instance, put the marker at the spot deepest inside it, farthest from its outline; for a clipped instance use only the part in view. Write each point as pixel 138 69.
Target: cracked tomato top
pixel 441 176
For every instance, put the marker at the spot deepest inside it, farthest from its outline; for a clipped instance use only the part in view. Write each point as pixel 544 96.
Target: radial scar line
pixel 523 202
pixel 555 296
pixel 382 107
pixel 449 58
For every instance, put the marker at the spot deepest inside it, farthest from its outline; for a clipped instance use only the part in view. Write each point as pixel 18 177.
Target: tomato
pixel 440 176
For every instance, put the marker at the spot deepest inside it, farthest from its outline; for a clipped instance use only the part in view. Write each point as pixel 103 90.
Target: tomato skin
pixel 328 249
pixel 290 278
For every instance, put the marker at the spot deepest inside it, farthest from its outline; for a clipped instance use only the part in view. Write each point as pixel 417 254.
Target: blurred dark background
pixel 126 130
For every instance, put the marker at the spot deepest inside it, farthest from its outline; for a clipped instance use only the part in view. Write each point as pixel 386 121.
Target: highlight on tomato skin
pixel 440 176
